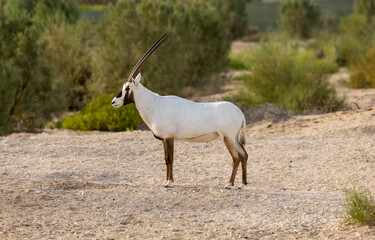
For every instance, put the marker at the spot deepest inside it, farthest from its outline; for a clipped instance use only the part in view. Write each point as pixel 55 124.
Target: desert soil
pixel 62 184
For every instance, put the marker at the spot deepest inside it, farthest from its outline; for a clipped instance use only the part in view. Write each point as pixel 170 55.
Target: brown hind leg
pixel 168 155
pixel 236 160
pixel 244 165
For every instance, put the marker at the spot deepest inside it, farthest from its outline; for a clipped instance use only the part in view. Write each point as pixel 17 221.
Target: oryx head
pixel 126 95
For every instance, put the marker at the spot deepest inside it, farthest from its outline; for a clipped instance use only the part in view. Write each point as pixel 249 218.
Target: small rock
pixel 295 229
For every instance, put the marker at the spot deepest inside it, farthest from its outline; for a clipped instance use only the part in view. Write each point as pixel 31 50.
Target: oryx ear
pixel 138 78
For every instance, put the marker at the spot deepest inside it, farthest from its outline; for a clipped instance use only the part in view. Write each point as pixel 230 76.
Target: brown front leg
pixel 168 155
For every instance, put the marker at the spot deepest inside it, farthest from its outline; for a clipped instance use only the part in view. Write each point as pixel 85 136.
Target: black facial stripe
pixel 119 94
pixel 128 98
pixel 125 98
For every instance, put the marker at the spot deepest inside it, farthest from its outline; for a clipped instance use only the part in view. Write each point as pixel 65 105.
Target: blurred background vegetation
pixel 59 56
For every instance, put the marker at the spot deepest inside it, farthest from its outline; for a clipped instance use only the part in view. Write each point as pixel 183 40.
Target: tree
pixel 67 52
pixel 27 94
pixel 234 15
pixel 24 79
pixel 366 7
pixel 43 11
pixel 197 46
pixel 299 17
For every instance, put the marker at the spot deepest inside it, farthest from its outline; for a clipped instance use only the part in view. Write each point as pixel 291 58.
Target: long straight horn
pixel 147 54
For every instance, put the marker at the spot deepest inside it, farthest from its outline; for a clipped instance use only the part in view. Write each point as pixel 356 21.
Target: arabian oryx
pixel 173 118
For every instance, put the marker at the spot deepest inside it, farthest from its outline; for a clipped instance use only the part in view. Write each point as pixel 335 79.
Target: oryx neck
pixel 143 94
pixel 146 101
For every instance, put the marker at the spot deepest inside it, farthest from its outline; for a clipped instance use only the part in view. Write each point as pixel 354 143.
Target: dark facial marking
pixel 129 98
pixel 119 94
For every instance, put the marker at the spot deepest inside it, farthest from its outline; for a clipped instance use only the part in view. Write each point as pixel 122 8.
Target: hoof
pixel 228 186
pixel 168 184
pixel 241 186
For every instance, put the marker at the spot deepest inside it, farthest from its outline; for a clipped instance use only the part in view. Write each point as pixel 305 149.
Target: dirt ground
pixel 62 184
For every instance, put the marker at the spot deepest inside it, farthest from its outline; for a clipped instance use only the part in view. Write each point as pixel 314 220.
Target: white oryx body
pixel 173 118
pixel 181 119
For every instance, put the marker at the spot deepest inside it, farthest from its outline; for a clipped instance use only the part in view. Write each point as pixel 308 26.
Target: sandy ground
pixel 63 184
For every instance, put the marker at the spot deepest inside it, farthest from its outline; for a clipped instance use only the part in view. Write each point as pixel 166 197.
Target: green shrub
pixel 356 49
pixel 67 53
pixel 27 92
pixel 325 49
pixel 235 16
pixel 363 71
pixel 25 85
pixel 100 115
pixel 240 59
pixel 237 64
pixel 43 11
pixel 197 47
pixel 355 39
pixel 366 7
pixel 299 17
pixel 360 206
pixel 89 7
pixel 292 78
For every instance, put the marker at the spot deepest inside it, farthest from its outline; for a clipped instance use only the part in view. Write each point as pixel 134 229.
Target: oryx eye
pixel 127 88
pixel 119 94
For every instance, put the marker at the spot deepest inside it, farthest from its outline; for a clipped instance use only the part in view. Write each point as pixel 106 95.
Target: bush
pixel 235 16
pixel 237 64
pixel 360 206
pixel 363 71
pixel 25 83
pixel 325 50
pixel 366 7
pixel 67 54
pixel 43 11
pixel 27 93
pixel 292 78
pixel 188 58
pixel 100 115
pixel 355 39
pixel 356 47
pixel 299 17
